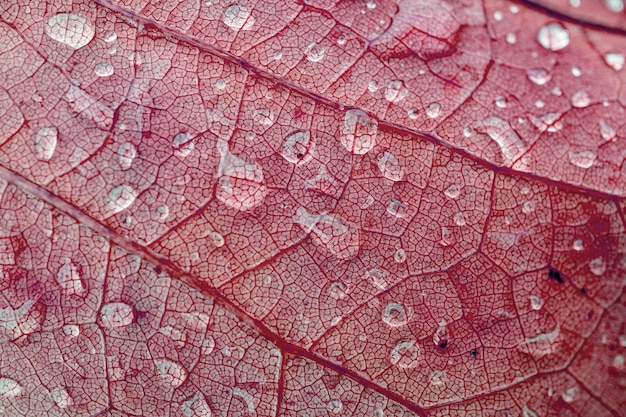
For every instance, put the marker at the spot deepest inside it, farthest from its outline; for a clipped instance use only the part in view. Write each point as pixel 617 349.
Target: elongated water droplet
pixel 70 29
pixel 61 398
pixel 172 373
pixel 264 117
pixel 606 131
pixel 70 280
pixel 127 152
pixel 395 91
pixel 183 144
pixel 460 219
pixel 540 345
pixel 331 231
pixel 104 69
pixel 581 99
pixel 405 354
pixel 378 277
pixel 553 36
pixel 298 148
pixel 116 314
pixel 110 36
pixel 238 17
pixel 500 131
pixel 453 191
pixel 359 132
pixel 395 314
pixel 10 388
pixel 120 198
pixel 615 60
pixel 527 412
pixel 433 110
pixel 390 167
pixel 335 406
pixel 196 406
pixel 338 290
pixel 315 52
pixel 582 159
pixel 46 143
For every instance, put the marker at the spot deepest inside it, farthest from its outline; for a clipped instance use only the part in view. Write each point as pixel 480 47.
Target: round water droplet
pixel 238 17
pixel 127 152
pixel 264 117
pixel 110 36
pixel 615 60
pixel 583 159
pixel 71 330
pixel 535 302
pixel 396 208
pixel 597 266
pixel 390 167
pixel 378 277
pixel 395 91
pixel 338 290
pixel 460 219
pixel 104 69
pixel 413 113
pixel 453 191
pixel 405 354
pixel 341 39
pixel 278 55
pixel 540 104
pixel 183 144
pixel 578 245
pixel 498 16
pixel 501 102
pixel 615 6
pixel 70 29
pixel 468 132
pixel 120 198
pixel 46 143
pixel 434 110
pixel 580 99
pixel 538 76
pixel 162 213
pixel 117 314
pixel 217 239
pixel 298 147
pixel 220 84
pixel 315 52
pixel 359 132
pixel 569 395
pixel 399 256
pixel 396 315
pixel 511 38
pixel 576 72
pixel 9 388
pixel 172 373
pixel 553 36
pixel 334 406
pixel 528 207
pixel 61 398
pixel 371 4
pixel 438 377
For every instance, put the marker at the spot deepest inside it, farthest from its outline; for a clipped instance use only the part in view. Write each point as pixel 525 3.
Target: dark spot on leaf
pixel 443 343
pixel 300 155
pixel 590 315
pixel 158 269
pixel 474 352
pixel 583 290
pixel 555 275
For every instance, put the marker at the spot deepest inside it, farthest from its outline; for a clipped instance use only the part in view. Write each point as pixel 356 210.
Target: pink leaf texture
pixel 309 208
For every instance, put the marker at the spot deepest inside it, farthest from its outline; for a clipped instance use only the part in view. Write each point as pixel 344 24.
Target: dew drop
pixel 183 144
pixel 460 219
pixel 413 113
pixel 315 52
pixel 540 104
pixel 9 388
pixel 582 159
pixel 71 330
pixel 61 398
pixel 338 290
pixel 528 412
pixel 70 29
pixel 247 398
pixel 569 395
pixel 340 237
pixel 528 207
pixel 540 345
pixel 619 363
pixel 396 208
pixel 580 99
pixel 468 132
pixel 127 152
pixel 453 191
pixel 278 55
pixel 298 147
pixel 208 345
pixel 511 38
pixel 372 86
pixel 438 377
pixel 104 69
pixel 501 102
pixel 508 140
pixel 498 16
pixel 396 315
pixel 196 406
pixel 334 406
pixel 217 239
pixel 264 117
pixel 378 277
pixel 597 266
pixel 390 167
pixel 110 36
pixel 538 76
pixel 578 245
pixel 120 198
pixel 341 40
pixel 441 337
pixel 358 132
pixel 405 354
pixel 606 130
pixel 434 110
pixel 615 60
pixel 162 213
pixel 395 91
pixel 535 302
pixel 70 280
pixel 238 17
pixel 371 4
pixel 116 315
pixel 553 36
pixel 172 373
pixel 514 9
pixel 399 256
pixel 576 72
pixel 46 143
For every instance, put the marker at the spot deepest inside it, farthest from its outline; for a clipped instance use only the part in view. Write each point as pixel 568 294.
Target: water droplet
pixel 619 363
pixel 498 16
pixel 278 55
pixel 453 191
pixel 110 36
pixel 405 354
pixel 514 9
pixel 614 60
pixel 575 3
pixel 535 302
pixel 390 167
pixel 507 139
pixel 511 38
pixel 527 412
pixel 528 207
pixel 315 52
pixel 46 143
pixel 338 236
pixel 220 84
pixel 217 239
pixel 341 40
pixel 580 99
pixel 540 345
pixel 70 29
pixel 264 117
pixel 162 213
pixel 116 314
pixel 553 36
pixel 9 388
pixel 120 198
pixel 358 132
pixel 460 219
pixel 501 102
pixel 433 110
pixel 395 91
pixel 298 147
pixel 338 290
pixel 540 104
pixel 104 69
pixel 597 266
pixel 569 394
pixel 396 208
pixel 70 280
pixel 538 76
pixel 607 131
pixel 396 315
pixel 172 373
pixel 247 398
pixel 441 337
pixel 378 277
pixel 582 159
pixel 616 6
pixel 578 245
pixel 413 113
pixel 196 406
pixel 127 152
pixel 468 132
pixel 208 345
pixel 61 398
pixel 334 406
pixel 371 4
pixel 238 17
pixel 399 256
pixel 183 144
pixel 438 377
pixel 71 330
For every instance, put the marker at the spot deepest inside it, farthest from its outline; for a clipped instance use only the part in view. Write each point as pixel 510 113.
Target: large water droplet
pixel 9 388
pixel 127 152
pixel 378 277
pixel 264 117
pixel 238 17
pixel 61 398
pixel 405 354
pixel 453 191
pixel 315 52
pixel 395 314
pixel 606 130
pixel 104 69
pixel 46 143
pixel 597 266
pixel 331 231
pixel 334 406
pixel 116 314
pixel 615 60
pixel 433 110
pixel 553 36
pixel 390 167
pixel 460 219
pixel 70 280
pixel 172 373
pixel 196 406
pixel 298 147
pixel 70 29
pixel 399 256
pixel 535 302
pixel 582 159
pixel 120 198
pixel 338 290
pixel 580 99
pixel 183 144
pixel 507 139
pixel 359 131
pixel 615 6
pixel 395 91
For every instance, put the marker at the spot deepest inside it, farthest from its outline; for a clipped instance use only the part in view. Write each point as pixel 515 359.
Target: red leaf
pixel 337 208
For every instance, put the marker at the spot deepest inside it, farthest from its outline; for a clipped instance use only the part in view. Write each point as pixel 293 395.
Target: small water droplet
pixel 238 17
pixel 405 354
pixel 569 394
pixel 359 132
pixel 338 290
pixel 498 16
pixel 116 314
pixel 162 213
pixel 538 76
pixel 390 167
pixel 399 256
pixel 298 147
pixel 341 40
pixel 371 4
pixel 264 117
pixel 196 406
pixel 315 52
pixel 553 36
pixel 120 198
pixel 104 69
pixel 71 330
pixel 438 377
pixel 576 72
pixel 578 245
pixel 172 373
pixel 110 36
pixel 217 239
pixel 70 280
pixel 468 132
pixel 535 302
pixel 183 144
pixel 514 9
pixel 597 266
pixel 127 152
pixel 220 84
pixel 46 143
pixel 395 91
pixel 527 412
pixel 582 159
pixel 61 398
pixel 453 191
pixel 460 219
pixel 434 110
pixel 396 315
pixel 334 406
pixel 378 277
pixel 278 55
pixel 396 208
pixel 208 345
pixel 615 60
pixel 511 38
pixel 413 113
pixel 619 363
pixel 10 388
pixel 528 207
pixel 574 3
pixel 372 86
pixel 70 29
pixel 501 102
pixel 580 99
pixel 606 130
pixel 540 104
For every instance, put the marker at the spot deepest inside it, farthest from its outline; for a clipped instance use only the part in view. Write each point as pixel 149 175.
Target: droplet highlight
pixel 338 290
pixel 580 99
pixel 395 91
pixel 70 281
pixel 433 110
pixel 615 60
pixel 183 144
